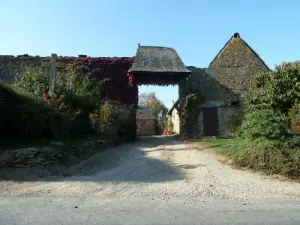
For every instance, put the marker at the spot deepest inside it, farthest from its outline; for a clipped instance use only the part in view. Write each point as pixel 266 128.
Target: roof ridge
pixel 152 46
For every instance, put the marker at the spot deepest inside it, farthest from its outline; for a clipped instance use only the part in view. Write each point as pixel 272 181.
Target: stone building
pixel 145 121
pixel 223 84
pixel 174 118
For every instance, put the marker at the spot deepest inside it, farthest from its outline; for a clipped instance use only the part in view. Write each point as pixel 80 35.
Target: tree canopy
pixel 272 102
pixel 279 89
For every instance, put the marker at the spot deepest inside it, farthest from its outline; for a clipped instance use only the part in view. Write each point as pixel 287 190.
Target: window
pixel 236 104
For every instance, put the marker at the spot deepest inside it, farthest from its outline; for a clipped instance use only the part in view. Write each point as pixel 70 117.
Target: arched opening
pixel 157 66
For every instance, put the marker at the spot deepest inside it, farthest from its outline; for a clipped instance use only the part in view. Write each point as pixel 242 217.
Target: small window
pixel 235 104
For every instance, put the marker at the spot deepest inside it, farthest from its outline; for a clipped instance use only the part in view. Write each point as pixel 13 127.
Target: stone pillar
pixel 182 88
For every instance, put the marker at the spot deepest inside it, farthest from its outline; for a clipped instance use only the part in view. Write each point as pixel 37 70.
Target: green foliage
pixel 34 80
pixel 23 114
pixel 75 84
pixel 160 111
pixel 269 101
pixel 272 103
pixel 271 156
pixel 279 88
pixel 67 109
pixel 263 121
pixel 111 114
pixel 294 116
pixel 226 147
pixel 108 113
pixel 189 115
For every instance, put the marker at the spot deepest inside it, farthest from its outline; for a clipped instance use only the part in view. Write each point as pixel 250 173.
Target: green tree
pixel 34 80
pixel 279 89
pixel 150 100
pixel 271 97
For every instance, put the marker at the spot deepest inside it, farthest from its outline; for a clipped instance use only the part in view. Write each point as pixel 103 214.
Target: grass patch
pixel 225 147
pixel 281 156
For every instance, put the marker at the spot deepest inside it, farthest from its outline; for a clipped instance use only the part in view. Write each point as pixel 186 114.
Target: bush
pixel 272 103
pixel 23 114
pixel 74 98
pixel 278 88
pixel 271 156
pixel 263 121
pixel 111 114
pixel 294 115
pixel 34 80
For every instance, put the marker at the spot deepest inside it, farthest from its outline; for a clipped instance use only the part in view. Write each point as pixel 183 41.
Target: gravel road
pixel 157 169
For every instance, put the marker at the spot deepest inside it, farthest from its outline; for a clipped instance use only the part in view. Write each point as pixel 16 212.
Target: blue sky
pixel 197 29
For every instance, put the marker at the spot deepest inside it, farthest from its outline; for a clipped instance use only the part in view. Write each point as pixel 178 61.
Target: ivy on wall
pixel 188 112
pixel 112 69
pixel 119 87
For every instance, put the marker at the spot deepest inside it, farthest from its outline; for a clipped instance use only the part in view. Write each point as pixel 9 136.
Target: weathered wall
pixel 114 68
pixel 224 82
pixel 11 66
pixel 175 121
pixel 145 127
pixel 212 90
pixel 228 118
pixel 201 128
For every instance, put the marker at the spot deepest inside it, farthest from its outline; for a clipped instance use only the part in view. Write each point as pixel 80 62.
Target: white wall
pixel 175 121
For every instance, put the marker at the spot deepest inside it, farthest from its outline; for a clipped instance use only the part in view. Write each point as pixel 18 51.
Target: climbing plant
pixel 189 107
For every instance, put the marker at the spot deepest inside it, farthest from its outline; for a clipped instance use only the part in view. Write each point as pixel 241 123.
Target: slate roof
pixel 236 64
pixel 173 107
pixel 236 36
pixel 153 59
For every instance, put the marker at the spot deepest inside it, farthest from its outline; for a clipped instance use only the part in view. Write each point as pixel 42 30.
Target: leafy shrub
pixel 111 114
pixel 22 113
pixel 75 84
pixel 67 109
pixel 272 156
pixel 294 115
pixel 279 88
pixel 263 121
pixel 34 80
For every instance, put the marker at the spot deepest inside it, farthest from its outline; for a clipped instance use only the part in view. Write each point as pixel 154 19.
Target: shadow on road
pixel 126 163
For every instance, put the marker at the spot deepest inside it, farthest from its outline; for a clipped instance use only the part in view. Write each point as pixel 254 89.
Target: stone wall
pixel 212 90
pixel 49 160
pixel 145 127
pixel 11 66
pixel 228 118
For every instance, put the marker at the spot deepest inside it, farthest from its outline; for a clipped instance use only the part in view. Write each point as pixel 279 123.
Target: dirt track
pixel 155 168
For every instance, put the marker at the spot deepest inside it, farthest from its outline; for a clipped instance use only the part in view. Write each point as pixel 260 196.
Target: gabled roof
pixel 236 36
pixel 235 65
pixel 155 59
pixel 173 107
